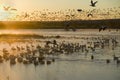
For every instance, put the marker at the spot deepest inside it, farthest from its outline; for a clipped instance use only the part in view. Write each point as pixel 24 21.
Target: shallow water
pixel 61 70
pixel 79 32
pixel 70 67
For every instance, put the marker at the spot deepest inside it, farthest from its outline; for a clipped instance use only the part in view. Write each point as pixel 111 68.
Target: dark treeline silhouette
pixel 79 24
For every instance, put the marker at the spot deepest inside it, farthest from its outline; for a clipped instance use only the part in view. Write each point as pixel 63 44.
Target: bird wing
pixel 100 29
pixel 14 9
pixel 6 8
pixel 91 1
pixel 95 2
pixel 89 15
pixel 79 9
pixel 105 28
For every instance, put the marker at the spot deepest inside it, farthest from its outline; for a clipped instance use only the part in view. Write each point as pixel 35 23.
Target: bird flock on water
pixel 38 55
pixel 50 50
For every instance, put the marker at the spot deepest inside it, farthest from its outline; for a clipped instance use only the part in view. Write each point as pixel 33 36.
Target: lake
pixel 75 66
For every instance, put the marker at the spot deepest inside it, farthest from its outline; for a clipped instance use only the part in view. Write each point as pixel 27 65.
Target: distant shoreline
pixel 78 24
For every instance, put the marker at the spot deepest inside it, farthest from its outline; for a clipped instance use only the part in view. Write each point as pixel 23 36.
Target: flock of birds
pixel 93 4
pixel 70 14
pixel 8 8
pixel 48 53
pixel 34 53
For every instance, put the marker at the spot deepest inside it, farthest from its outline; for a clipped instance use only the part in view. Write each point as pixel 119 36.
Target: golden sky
pixel 52 5
pixel 23 5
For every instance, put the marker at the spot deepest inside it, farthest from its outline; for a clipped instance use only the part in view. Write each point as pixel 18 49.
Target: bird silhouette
pixel 26 15
pixel 6 8
pixel 90 15
pixel 79 10
pixel 102 28
pixel 93 4
pixel 13 9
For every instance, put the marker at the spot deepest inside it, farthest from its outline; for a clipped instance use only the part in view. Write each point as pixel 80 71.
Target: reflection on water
pixel 61 70
pixel 75 66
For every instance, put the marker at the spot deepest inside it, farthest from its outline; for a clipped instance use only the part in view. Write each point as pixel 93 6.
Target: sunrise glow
pixel 33 10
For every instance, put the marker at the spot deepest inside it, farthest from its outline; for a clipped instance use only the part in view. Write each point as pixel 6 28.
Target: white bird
pixel 6 8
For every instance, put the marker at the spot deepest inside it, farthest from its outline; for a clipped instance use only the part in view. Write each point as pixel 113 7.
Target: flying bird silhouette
pixel 6 8
pixel 13 9
pixel 79 10
pixel 93 4
pixel 90 15
pixel 26 15
pixel 102 28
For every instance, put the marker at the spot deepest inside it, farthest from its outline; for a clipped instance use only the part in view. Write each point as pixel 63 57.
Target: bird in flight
pixel 26 15
pixel 13 9
pixel 93 4
pixel 6 8
pixel 90 14
pixel 79 10
pixel 102 28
